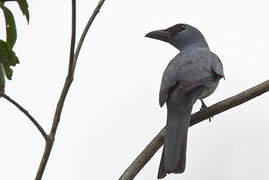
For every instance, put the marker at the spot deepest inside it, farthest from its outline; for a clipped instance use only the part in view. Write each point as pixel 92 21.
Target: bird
pixel 193 74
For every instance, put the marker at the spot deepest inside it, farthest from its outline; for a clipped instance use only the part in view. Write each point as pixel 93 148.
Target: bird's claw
pixel 204 107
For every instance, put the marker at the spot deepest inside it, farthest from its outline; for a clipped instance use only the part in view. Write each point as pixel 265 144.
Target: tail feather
pixel 182 161
pixel 181 166
pixel 161 172
pixel 175 139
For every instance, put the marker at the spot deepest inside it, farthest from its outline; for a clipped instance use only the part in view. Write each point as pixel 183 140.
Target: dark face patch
pixel 176 29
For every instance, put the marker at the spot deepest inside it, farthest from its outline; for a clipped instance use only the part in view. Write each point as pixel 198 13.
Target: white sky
pixel 112 111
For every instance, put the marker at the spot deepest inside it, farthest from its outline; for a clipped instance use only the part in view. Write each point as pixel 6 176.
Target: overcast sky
pixel 112 112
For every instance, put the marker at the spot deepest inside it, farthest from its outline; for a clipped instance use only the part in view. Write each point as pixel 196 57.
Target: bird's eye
pixel 182 27
pixel 176 29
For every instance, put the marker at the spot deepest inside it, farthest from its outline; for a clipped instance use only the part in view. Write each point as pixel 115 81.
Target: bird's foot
pixel 204 107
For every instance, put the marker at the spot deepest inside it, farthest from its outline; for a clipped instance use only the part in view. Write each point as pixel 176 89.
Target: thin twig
pixel 37 125
pixel 85 31
pixel 69 79
pixel 215 109
pixel 61 100
pixel 73 40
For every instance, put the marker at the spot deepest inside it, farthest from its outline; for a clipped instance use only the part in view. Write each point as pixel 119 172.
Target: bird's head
pixel 180 35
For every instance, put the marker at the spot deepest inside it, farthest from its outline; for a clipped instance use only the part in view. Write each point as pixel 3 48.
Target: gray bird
pixel 192 74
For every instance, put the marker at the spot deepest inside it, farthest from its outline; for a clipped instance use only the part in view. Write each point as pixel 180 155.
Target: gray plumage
pixel 192 74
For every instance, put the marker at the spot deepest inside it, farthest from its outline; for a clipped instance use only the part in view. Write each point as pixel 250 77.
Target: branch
pixel 73 40
pixel 37 125
pixel 197 117
pixel 59 107
pixel 85 31
pixel 69 79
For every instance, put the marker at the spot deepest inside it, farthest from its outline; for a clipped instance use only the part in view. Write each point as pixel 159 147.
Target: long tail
pixel 175 139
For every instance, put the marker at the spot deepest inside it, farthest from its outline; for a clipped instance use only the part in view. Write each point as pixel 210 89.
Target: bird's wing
pixel 217 65
pixel 169 79
pixel 188 72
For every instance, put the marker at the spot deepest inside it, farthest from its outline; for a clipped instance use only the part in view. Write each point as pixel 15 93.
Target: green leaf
pixel 24 8
pixel 2 79
pixel 7 58
pixel 10 26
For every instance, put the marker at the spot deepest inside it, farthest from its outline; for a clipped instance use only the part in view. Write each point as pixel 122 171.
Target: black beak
pixel 162 35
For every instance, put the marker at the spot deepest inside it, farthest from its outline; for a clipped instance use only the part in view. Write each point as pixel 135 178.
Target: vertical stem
pixel 69 79
pixel 44 160
pixel 50 142
pixel 58 111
